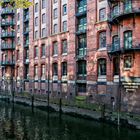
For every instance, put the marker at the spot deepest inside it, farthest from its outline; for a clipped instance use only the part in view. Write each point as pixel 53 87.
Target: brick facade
pixel 106 85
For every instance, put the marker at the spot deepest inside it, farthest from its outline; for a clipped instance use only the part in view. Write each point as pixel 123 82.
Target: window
pixel 128 39
pixel 36 7
pixel 26 41
pixel 102 14
pixel 65 26
pixel 101 0
pixel 26 54
pixel 26 28
pixel 26 72
pixel 54 1
pixel 116 43
pixel 127 62
pixel 5 57
pixel 18 40
pixel 36 51
pixel 82 6
pixel 82 24
pixel 64 46
pixel 102 66
pixel 2 71
pixel 64 9
pixel 43 48
pixel 81 87
pixel 82 45
pixel 116 66
pixel 42 70
pixel 36 70
pixel 128 5
pixel 13 58
pixel 18 16
pixel 36 34
pixel 55 13
pixel 18 28
pixel 55 69
pixel 55 48
pixel 64 68
pixel 102 39
pixel 43 4
pixel 82 68
pixel 36 21
pixel 55 28
pixel 17 71
pixel 43 18
pixel 116 10
pixel 43 32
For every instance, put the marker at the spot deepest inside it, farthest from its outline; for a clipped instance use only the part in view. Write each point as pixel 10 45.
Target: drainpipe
pixel 48 97
pixel 119 92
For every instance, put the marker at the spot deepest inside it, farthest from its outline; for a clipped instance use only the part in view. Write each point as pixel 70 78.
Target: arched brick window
pixel 128 5
pixel 102 39
pixel 115 43
pixel 101 66
pixel 128 39
pixel 64 68
pixel 116 66
pixel 82 67
pixel 55 69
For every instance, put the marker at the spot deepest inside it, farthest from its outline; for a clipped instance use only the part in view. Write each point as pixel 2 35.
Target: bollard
pixel 60 106
pixel 103 111
pixel 32 98
pixel 13 96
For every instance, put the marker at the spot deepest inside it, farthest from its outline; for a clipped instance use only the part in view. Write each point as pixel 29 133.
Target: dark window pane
pixel 82 68
pixel 127 62
pixel 102 40
pixel 128 39
pixel 102 67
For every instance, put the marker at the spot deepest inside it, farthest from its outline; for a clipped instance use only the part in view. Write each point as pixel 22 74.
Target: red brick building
pixel 79 47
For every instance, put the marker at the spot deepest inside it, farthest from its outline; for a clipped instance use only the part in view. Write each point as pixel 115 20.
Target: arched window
pixel 17 71
pixel 116 66
pixel 36 51
pixel 42 70
pixel 82 6
pixel 64 46
pixel 116 10
pixel 102 14
pixel 64 68
pixel 102 39
pixel 82 45
pixel 127 62
pixel 82 67
pixel 55 48
pixel 43 50
pixel 55 69
pixel 55 28
pixel 128 39
pixel 116 43
pixel 128 5
pixel 102 66
pixel 35 70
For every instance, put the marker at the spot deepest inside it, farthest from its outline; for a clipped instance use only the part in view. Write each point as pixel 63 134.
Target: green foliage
pixel 18 3
pixel 81 98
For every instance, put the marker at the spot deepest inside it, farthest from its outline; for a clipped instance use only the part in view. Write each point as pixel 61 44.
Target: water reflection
pixel 19 123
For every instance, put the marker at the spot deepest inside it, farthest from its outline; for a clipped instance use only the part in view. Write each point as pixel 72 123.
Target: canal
pixel 21 123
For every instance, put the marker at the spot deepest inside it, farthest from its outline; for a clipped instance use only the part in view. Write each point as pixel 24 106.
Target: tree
pixel 19 3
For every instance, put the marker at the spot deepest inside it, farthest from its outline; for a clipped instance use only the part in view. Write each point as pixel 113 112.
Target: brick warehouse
pixel 82 47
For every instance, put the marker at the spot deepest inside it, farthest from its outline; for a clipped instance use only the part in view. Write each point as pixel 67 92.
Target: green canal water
pixel 21 123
